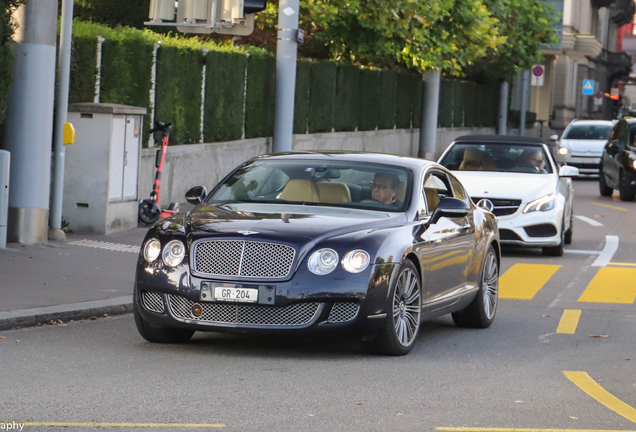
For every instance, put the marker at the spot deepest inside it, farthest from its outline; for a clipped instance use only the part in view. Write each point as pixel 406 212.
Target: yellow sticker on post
pixel 68 135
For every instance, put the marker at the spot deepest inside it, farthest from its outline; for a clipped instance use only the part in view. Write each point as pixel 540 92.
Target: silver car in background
pixel 582 143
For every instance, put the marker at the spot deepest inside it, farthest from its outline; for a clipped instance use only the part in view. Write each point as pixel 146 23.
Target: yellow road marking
pixel 622 264
pixel 523 281
pixel 82 424
pixel 585 382
pixel 569 321
pixel 610 206
pixel 611 285
pixel 494 429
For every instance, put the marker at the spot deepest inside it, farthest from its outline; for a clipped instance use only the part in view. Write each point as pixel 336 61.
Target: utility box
pixel 102 168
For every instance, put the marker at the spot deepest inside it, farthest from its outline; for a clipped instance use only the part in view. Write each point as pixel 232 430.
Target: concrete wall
pixel 206 164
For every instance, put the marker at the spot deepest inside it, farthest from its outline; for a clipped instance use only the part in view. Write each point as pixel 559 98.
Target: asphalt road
pixel 561 354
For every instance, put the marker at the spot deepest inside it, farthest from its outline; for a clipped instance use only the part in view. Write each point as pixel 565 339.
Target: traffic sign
pixel 538 73
pixel 588 87
pixel 598 95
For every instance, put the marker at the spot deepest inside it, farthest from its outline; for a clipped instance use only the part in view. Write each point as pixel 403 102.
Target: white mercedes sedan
pixel 519 180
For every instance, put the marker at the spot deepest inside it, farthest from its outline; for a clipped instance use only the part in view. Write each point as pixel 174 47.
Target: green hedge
pixel 261 96
pixel 387 99
pixel 346 111
pixel 322 96
pixel 368 100
pixel 179 92
pixel 445 110
pixel 418 97
pixel 404 101
pixel 83 69
pixel 224 96
pixel 301 102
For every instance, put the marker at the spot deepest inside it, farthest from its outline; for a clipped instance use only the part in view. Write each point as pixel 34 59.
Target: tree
pixel 7 26
pixel 113 12
pixel 526 24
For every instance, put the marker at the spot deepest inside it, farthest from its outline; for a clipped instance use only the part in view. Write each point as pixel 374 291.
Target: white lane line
pixel 106 245
pixel 588 220
pixel 611 246
pixel 582 252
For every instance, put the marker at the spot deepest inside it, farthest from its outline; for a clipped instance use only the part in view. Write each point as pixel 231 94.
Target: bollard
pixel 5 159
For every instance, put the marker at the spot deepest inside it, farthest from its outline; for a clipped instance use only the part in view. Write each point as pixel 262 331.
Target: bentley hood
pixel 294 224
pixel 524 186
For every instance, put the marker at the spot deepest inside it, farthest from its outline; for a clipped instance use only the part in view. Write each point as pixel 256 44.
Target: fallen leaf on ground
pixel 545 316
pixel 598 215
pixel 106 315
pixel 574 418
pixel 4 337
pixel 359 403
pixel 599 336
pixel 60 321
pixel 399 413
pixel 628 359
pixel 17 341
pixel 93 317
pixel 16 328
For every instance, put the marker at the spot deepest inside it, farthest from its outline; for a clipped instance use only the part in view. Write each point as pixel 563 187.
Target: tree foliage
pixel 113 12
pixel 454 36
pixel 7 26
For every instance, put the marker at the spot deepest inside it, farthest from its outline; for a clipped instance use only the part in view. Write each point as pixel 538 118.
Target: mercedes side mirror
pixel 196 195
pixel 449 207
pixel 554 137
pixel 568 171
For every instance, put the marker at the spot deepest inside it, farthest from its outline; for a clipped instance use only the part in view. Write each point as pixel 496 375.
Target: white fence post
pixel 153 95
pixel 203 73
pixel 98 76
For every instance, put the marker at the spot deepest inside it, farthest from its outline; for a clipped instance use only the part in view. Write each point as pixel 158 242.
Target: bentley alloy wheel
pixel 407 307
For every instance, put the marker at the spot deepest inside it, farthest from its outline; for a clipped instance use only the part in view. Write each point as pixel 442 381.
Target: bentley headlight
pixel 356 261
pixel 173 253
pixel 323 261
pixel 542 204
pixel 152 250
pixel 562 151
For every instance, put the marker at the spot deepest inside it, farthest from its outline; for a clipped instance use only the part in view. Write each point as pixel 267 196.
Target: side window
pixel 458 189
pixel 436 186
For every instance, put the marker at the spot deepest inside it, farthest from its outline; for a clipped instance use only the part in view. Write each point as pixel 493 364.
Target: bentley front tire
pixel 480 313
pixel 159 335
pixel 402 324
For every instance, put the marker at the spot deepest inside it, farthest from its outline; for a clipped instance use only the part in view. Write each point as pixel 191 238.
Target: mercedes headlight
pixel 323 261
pixel 152 250
pixel 173 253
pixel 356 261
pixel 542 204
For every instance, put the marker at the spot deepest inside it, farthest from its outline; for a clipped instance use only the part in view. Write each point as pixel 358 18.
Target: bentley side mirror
pixel 568 171
pixel 449 207
pixel 554 137
pixel 196 195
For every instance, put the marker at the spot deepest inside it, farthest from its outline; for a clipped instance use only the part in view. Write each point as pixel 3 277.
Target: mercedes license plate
pixel 243 295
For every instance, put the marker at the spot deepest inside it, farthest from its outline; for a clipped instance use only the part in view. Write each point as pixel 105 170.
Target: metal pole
pixel 524 102
pixel 98 77
pixel 286 52
pixel 61 108
pixel 5 159
pixel 428 131
pixel 503 108
pixel 28 126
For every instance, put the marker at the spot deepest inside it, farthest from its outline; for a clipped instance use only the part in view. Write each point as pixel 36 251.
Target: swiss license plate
pixel 243 295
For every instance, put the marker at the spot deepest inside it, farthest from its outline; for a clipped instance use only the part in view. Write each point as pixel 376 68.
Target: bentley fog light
pixel 152 250
pixel 173 253
pixel 323 261
pixel 542 204
pixel 356 261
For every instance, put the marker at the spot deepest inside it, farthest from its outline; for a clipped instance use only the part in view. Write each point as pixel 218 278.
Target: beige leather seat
pixel 300 190
pixel 472 160
pixel 333 192
pixel 432 199
pixel 400 193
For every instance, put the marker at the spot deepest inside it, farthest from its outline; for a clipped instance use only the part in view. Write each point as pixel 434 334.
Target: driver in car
pixel 384 188
pixel 531 161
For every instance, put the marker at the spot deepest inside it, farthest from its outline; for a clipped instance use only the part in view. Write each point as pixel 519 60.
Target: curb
pixel 74 311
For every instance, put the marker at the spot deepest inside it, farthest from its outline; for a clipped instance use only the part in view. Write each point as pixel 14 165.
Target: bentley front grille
pixel 297 314
pixel 503 207
pixel 343 312
pixel 153 301
pixel 243 258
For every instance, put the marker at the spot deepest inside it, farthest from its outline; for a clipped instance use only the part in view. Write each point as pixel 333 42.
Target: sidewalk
pixel 84 276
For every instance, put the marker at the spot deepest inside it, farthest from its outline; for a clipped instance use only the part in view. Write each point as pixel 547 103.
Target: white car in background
pixel 582 143
pixel 517 179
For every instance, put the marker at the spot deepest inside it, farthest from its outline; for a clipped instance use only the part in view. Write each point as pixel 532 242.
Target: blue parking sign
pixel 588 87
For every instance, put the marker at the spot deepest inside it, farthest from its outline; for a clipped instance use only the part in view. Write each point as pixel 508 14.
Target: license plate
pixel 243 295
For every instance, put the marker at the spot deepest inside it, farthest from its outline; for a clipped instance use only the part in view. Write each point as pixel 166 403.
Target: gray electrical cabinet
pixel 102 167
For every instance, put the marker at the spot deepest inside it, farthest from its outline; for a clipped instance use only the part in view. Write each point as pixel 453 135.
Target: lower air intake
pixel 343 312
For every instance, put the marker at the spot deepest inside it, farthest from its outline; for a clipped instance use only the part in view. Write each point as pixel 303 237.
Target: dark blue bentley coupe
pixel 305 243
